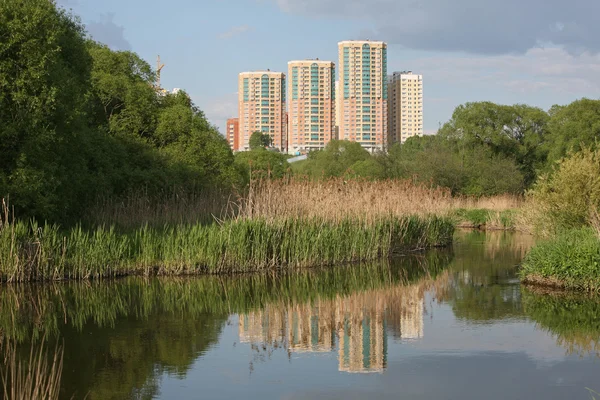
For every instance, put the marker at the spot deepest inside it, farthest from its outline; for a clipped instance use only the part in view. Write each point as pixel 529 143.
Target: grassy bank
pixel 564 209
pixel 31 252
pixel 570 260
pixel 480 218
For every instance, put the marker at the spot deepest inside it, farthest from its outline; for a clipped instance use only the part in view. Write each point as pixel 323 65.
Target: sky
pixel 536 52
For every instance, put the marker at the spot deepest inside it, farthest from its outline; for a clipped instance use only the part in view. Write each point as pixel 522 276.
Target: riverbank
pixel 570 260
pixel 30 252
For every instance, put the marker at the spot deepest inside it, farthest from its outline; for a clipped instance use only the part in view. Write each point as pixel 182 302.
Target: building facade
pixel 232 136
pixel 311 114
pixel 262 107
pixel 405 106
pixel 363 93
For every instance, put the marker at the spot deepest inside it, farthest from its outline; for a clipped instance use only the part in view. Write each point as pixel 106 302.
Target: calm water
pixel 448 324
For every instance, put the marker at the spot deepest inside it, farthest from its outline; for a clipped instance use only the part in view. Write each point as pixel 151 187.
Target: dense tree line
pixel 484 149
pixel 78 120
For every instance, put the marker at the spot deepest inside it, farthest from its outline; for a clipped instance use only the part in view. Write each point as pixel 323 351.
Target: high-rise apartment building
pixel 405 106
pixel 311 115
pixel 232 133
pixel 261 107
pixel 363 93
pixel 337 107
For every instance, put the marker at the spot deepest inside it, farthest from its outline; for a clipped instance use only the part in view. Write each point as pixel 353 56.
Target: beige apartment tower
pixel 405 106
pixel 311 116
pixel 261 107
pixel 363 95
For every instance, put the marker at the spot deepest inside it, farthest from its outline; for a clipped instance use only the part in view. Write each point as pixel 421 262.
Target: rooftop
pixel 312 60
pixel 261 71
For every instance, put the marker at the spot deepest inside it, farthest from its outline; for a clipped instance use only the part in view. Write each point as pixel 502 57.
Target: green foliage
pixel 44 76
pixel 259 140
pixel 478 217
pixel 80 120
pixel 474 170
pixel 261 164
pixel 564 206
pixel 514 132
pixel 570 260
pixel 475 216
pixel 567 197
pixel 338 158
pixel 31 252
pixel 572 128
pixel 123 98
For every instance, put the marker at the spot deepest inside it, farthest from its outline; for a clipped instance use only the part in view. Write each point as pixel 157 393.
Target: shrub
pixel 568 197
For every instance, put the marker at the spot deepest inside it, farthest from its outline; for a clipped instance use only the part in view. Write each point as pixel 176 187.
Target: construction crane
pixel 159 67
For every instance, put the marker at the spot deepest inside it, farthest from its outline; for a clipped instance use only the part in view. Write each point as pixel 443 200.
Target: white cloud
pixel 235 31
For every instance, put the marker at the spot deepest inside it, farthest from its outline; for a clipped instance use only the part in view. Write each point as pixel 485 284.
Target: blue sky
pixel 538 52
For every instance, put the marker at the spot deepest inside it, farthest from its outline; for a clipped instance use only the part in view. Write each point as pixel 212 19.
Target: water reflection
pixel 123 339
pixel 357 325
pixel 573 319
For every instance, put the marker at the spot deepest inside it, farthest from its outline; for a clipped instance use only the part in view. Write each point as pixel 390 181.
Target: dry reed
pixel 333 199
pixel 337 198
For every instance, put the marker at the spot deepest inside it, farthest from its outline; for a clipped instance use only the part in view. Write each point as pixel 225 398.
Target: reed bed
pixel 333 199
pixel 337 198
pixel 174 207
pixel 32 252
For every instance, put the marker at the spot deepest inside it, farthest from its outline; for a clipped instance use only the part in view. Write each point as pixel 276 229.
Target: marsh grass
pixel 486 219
pixel 33 378
pixel 338 198
pixel 333 199
pixel 32 252
pixel 570 260
pixel 174 207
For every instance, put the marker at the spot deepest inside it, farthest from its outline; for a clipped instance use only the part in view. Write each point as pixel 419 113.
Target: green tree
pixel 568 197
pixel 335 159
pixel 473 170
pixel 428 159
pixel 124 99
pixel 44 80
pixel 259 140
pixel 515 132
pixel 572 127
pixel 261 164
pixel 369 169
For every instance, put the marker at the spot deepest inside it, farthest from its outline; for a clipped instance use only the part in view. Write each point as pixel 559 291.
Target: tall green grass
pixel 32 252
pixel 486 219
pixel 570 260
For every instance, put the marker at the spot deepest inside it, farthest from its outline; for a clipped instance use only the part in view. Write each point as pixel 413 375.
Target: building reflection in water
pixel 357 325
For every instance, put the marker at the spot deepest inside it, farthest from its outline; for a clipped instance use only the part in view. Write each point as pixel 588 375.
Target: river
pixel 446 324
